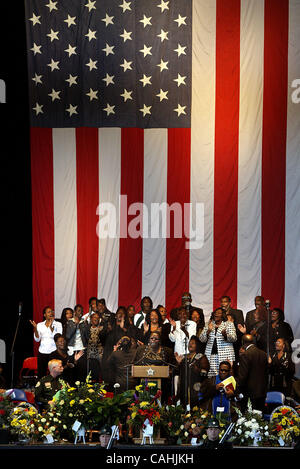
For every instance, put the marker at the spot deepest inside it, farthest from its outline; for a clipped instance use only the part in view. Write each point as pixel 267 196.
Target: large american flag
pixel 232 144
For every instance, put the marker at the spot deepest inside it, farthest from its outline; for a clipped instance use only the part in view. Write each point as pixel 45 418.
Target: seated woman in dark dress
pixel 68 361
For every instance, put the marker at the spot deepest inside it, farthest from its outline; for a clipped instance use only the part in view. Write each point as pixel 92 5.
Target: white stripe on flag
pixel 250 153
pixel 65 218
pixel 155 192
pixel 292 233
pixel 109 192
pixel 202 147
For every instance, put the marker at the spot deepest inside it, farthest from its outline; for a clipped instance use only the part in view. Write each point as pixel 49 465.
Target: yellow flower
pixel 144 403
pixel 151 385
pixel 133 415
pixel 91 390
pixel 71 389
pixel 72 402
pixel 139 387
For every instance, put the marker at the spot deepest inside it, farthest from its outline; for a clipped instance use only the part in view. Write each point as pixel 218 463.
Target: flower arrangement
pixel 146 405
pixel 194 424
pixel 285 424
pixel 79 402
pixel 171 419
pixel 49 423
pixel 6 406
pixel 22 420
pixel 251 429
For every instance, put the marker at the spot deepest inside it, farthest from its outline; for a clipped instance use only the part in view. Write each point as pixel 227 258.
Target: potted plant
pixel 6 406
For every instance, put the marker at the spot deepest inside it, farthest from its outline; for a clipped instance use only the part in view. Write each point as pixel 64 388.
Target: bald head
pixel 247 339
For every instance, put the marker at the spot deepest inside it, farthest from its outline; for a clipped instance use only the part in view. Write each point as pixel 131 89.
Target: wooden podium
pixel 153 373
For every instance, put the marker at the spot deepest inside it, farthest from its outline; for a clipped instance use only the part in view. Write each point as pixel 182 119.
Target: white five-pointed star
pixel 53 65
pixel 146 80
pixel 38 108
pixel 163 65
pixel 126 95
pixel 37 79
pixel 163 35
pixel 72 80
pixel 180 110
pixel 125 6
pixel 126 65
pixel 53 35
pixel 181 20
pixel 163 6
pixel 71 50
pixel 54 95
pixel 35 19
pixel 162 95
pixel 146 50
pixel 90 5
pixel 72 110
pixel 92 64
pixel 109 109
pixel 91 35
pixel 146 21
pixel 70 20
pixel 145 110
pixel 108 49
pixel 92 94
pixel 126 35
pixel 108 20
pixel 180 80
pixel 36 49
pixel 180 50
pixel 109 79
pixel 52 5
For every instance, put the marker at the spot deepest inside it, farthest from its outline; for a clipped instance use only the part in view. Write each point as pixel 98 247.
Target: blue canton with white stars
pixel 109 63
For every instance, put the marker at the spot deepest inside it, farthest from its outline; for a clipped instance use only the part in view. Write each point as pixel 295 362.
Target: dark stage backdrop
pixel 16 278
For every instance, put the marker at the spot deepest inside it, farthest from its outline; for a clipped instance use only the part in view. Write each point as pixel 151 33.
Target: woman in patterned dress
pixel 219 336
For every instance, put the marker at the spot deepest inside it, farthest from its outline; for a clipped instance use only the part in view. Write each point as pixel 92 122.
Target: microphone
pixel 20 307
pixel 267 303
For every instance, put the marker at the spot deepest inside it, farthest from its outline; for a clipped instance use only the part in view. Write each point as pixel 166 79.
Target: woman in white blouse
pixel 219 335
pixel 44 333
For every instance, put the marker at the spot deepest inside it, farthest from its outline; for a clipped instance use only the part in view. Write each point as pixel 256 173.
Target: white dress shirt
pixel 179 337
pixel 47 344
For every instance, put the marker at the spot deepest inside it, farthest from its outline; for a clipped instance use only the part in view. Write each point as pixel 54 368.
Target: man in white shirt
pixel 182 331
pixel 146 307
pixel 44 333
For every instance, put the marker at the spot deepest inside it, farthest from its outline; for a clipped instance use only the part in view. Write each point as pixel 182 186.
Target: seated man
pixel 217 392
pixel 48 386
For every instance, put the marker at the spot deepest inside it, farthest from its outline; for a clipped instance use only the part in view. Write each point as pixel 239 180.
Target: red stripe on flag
pixel 274 149
pixel 131 249
pixel 226 149
pixel 178 191
pixel 42 221
pixel 87 171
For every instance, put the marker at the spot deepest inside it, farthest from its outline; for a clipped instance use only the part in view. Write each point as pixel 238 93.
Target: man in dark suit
pixel 252 378
pixel 186 302
pixel 259 301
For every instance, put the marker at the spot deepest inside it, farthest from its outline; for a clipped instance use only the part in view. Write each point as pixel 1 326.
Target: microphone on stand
pixel 267 303
pixel 20 308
